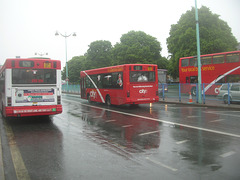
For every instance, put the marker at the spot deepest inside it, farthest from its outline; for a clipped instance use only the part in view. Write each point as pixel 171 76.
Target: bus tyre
pixel 108 100
pixel 193 91
pixel 89 98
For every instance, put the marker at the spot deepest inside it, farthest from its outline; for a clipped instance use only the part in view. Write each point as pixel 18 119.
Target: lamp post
pixel 66 36
pixel 41 54
pixel 198 56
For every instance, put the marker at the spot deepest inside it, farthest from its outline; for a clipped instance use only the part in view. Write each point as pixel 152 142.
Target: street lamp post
pixel 198 56
pixel 41 54
pixel 66 36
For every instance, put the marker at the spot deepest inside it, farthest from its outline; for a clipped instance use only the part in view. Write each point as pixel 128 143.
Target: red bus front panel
pixel 140 94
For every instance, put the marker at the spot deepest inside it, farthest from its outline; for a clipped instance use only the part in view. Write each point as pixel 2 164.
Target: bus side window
pixel 233 78
pixel 117 80
pixel 193 62
pixel 206 60
pixel 187 80
pixel 184 62
pixel 218 59
pixel 222 80
pixel 230 58
pixel 107 80
pixel 99 81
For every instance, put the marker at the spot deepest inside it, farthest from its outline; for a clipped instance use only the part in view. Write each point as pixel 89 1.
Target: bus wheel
pixel 108 100
pixel 194 91
pixel 89 98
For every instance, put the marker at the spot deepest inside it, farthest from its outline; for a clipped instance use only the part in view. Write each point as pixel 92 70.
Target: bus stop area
pixel 188 94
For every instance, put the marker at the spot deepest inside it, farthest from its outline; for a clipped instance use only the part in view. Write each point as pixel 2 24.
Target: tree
pixel 75 65
pixel 99 54
pixel 215 36
pixel 137 47
pixel 162 63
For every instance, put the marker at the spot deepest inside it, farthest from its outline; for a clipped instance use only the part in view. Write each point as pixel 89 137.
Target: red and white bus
pixel 122 84
pixel 216 69
pixel 30 87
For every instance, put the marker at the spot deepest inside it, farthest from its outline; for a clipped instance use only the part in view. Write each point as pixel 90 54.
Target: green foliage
pixel 75 65
pixel 162 63
pixel 215 36
pixel 136 47
pixel 98 55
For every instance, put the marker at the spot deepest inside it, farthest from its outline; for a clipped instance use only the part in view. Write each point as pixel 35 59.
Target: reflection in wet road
pixel 93 141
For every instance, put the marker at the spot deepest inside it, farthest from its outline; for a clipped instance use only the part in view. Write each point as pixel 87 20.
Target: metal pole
pixel 198 56
pixel 66 36
pixel 66 60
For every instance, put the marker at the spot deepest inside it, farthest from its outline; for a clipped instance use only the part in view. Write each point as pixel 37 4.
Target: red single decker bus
pixel 30 87
pixel 122 84
pixel 216 68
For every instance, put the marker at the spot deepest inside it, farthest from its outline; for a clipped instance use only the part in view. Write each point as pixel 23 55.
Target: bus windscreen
pixel 142 76
pixel 34 76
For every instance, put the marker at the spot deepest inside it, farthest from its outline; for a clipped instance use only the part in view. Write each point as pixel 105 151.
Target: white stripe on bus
pixel 95 87
pixel 220 77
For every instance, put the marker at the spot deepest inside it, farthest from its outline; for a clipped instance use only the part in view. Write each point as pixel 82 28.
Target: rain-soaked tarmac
pixel 93 141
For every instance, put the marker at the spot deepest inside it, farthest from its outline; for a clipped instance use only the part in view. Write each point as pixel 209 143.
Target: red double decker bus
pixel 122 84
pixel 216 69
pixel 30 87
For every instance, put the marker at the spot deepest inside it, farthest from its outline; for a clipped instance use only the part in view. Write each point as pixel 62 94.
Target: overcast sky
pixel 28 26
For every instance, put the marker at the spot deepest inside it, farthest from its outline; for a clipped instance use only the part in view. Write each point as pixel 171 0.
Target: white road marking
pixel 223 114
pixel 161 164
pixel 181 142
pixel 97 117
pixel 227 154
pixel 147 133
pixel 110 120
pixel 217 120
pixel 163 121
pixel 126 126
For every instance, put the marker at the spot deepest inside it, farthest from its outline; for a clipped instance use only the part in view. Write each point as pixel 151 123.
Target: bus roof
pixel 8 62
pixel 230 52
pixel 116 68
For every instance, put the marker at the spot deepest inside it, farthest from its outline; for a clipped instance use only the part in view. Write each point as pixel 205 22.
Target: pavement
pixel 185 101
pixel 208 103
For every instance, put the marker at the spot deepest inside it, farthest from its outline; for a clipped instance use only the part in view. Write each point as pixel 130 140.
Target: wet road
pixel 93 141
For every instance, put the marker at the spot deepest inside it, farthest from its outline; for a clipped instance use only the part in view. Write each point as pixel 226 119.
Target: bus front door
pixel 83 88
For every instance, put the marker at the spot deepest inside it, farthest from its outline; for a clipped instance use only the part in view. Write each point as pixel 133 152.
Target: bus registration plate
pixel 47 65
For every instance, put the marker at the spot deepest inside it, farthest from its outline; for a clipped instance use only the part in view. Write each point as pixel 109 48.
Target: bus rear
pixel 31 87
pixel 143 84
